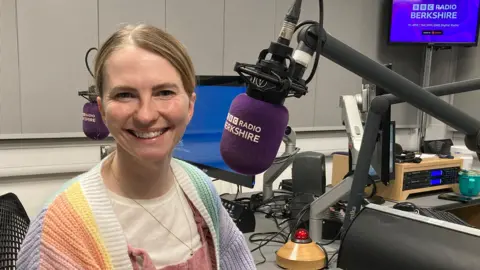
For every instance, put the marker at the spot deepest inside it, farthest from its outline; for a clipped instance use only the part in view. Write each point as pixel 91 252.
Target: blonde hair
pixel 152 39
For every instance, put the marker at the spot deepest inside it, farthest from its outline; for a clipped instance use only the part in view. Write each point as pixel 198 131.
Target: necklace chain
pixel 156 219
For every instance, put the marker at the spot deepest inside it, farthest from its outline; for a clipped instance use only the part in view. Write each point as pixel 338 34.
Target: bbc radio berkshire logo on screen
pixel 423 6
pixel 434 11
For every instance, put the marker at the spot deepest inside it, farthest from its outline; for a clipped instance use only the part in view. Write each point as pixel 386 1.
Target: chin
pixel 152 156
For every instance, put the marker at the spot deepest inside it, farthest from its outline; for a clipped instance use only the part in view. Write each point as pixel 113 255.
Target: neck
pixel 132 178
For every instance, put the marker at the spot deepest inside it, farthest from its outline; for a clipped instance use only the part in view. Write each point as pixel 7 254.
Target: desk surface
pixel 264 224
pixel 431 200
pixel 268 225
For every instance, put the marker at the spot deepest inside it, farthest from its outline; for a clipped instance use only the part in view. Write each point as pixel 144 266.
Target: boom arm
pixel 400 88
pixel 281 163
pixel 353 124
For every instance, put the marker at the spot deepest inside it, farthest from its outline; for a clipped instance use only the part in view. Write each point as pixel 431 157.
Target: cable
pixel 238 192
pixel 86 60
pixel 331 258
pixel 303 23
pixel 299 218
pixel 300 215
pixel 252 239
pixel 266 242
pixel 281 159
pixel 331 241
pixel 269 237
pixel 319 41
pixel 282 241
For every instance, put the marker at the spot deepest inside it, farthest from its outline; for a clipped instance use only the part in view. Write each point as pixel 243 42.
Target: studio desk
pixel 422 197
pixel 470 212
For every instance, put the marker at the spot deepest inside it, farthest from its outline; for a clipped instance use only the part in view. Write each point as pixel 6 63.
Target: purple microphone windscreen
pixel 93 125
pixel 252 134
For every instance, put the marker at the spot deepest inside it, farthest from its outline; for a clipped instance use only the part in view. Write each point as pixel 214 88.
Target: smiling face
pixel 144 103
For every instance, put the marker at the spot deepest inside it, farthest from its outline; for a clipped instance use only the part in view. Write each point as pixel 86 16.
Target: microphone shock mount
pixel 272 80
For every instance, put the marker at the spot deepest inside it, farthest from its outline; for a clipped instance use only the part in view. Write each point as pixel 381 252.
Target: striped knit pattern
pixel 78 229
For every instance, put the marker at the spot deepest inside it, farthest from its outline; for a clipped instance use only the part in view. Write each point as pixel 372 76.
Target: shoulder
pixel 64 224
pixel 199 178
pixel 66 200
pixel 72 187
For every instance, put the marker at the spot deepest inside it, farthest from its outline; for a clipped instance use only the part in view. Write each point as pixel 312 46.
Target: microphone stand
pixel 402 90
pixel 90 94
pixel 287 82
pixel 280 163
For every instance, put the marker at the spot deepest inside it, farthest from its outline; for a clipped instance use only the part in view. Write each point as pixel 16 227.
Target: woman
pixel 139 208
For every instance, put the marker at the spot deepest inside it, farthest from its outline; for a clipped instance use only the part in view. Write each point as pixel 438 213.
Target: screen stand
pixel 422 116
pixel 281 163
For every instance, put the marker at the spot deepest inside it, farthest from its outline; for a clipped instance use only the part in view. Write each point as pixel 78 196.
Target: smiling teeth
pixel 148 135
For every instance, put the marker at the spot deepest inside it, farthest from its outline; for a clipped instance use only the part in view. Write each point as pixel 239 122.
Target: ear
pixel 101 109
pixel 191 106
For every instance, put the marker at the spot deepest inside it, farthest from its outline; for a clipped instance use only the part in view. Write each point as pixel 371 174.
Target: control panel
pixel 430 178
pixel 241 214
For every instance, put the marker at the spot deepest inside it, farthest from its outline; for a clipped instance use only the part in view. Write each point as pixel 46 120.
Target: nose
pixel 146 113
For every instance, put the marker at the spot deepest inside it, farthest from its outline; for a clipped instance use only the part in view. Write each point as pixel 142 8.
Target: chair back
pixel 14 223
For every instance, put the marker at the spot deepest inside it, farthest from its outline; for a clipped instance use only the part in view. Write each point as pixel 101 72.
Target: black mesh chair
pixel 14 223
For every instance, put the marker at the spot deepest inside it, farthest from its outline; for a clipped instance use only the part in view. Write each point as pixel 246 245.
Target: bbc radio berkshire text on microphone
pixel 243 129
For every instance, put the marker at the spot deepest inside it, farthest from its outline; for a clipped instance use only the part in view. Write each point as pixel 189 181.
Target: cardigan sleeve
pixel 234 252
pixel 40 248
pixel 29 255
pixel 58 239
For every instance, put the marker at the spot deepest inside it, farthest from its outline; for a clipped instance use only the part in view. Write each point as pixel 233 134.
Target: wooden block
pixel 394 191
pixel 339 168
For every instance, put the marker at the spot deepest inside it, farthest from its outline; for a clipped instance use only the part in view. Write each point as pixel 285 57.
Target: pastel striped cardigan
pixel 78 229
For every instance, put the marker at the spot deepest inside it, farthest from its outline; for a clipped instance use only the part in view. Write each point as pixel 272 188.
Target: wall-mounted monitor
pixel 434 22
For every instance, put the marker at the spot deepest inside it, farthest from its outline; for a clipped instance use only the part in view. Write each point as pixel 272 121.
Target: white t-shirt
pixel 144 232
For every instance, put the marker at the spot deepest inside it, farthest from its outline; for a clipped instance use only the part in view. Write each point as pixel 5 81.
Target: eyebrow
pixel 167 85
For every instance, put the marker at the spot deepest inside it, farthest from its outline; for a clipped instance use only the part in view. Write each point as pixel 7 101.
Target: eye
pixel 164 93
pixel 124 95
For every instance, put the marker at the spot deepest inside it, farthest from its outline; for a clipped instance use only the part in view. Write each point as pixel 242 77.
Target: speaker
pixel 308 173
pixel 308 181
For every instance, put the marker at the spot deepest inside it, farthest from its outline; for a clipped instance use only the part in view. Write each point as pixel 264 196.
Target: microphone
pixel 257 120
pixel 252 135
pixel 93 125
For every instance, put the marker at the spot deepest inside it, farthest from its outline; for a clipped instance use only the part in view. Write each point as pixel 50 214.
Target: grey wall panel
pixel 249 28
pixel 53 37
pixel 468 67
pixel 301 110
pixel 363 26
pixel 342 19
pixel 10 112
pixel 407 60
pixel 200 28
pixel 113 14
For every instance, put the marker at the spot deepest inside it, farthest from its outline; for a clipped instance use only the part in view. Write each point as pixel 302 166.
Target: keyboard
pixel 442 215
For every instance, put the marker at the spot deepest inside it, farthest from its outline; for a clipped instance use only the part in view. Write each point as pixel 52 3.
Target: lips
pixel 148 134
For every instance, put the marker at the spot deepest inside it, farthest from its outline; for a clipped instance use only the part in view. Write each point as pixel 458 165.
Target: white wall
pixel 34 170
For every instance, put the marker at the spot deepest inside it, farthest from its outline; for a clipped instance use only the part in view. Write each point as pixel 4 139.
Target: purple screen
pixel 434 21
